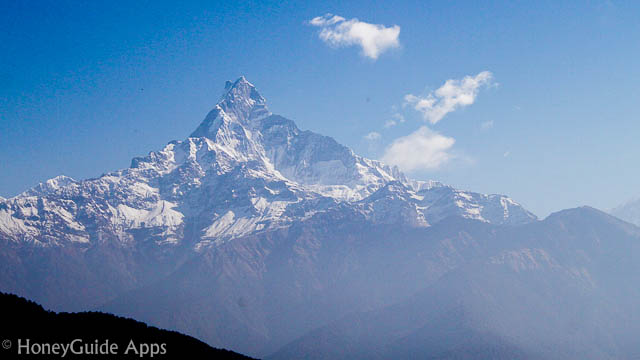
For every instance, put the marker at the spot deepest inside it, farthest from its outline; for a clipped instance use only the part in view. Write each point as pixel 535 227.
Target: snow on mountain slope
pixel 49 186
pixel 243 170
pixel 629 211
pixel 320 163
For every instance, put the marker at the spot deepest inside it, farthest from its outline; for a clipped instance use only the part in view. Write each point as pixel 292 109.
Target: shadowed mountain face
pixel 27 326
pixel 259 292
pixel 256 236
pixel 561 288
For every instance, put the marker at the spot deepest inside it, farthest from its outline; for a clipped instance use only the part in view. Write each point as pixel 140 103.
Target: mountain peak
pixel 240 81
pixel 241 91
pixel 240 103
pixel 49 186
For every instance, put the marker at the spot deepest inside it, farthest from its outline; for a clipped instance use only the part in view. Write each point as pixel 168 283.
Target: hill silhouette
pixel 28 331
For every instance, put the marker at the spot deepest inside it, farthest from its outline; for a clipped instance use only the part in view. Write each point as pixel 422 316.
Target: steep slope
pixel 552 290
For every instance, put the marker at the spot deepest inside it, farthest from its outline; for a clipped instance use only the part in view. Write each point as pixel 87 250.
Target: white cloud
pixel 452 95
pixel 423 149
pixel 487 124
pixel 374 39
pixel 506 154
pixel 372 136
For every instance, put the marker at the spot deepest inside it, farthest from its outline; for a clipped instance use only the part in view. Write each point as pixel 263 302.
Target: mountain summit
pixel 240 103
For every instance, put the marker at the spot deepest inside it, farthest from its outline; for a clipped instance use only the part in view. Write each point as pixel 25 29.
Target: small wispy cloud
pixel 426 149
pixel 487 124
pixel 372 136
pixel 506 154
pixel 396 119
pixel 373 39
pixel 423 149
pixel 451 96
pixel 390 123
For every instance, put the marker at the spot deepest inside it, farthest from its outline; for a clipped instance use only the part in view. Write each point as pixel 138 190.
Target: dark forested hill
pixel 29 331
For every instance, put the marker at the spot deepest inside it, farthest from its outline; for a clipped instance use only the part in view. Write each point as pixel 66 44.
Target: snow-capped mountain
pixel 629 211
pixel 243 170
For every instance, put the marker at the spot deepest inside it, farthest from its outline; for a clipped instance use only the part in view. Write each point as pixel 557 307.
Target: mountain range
pixel 256 236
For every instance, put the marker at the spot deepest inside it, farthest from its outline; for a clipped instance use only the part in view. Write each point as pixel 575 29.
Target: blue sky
pixel 86 86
